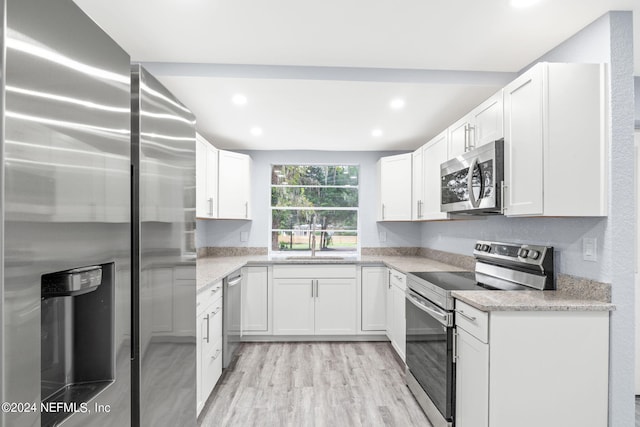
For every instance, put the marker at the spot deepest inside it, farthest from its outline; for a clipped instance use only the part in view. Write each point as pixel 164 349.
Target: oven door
pixel 430 351
pixel 471 182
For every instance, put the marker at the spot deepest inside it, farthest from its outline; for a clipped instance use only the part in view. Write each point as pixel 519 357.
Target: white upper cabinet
pixel 416 184
pixel 394 175
pixel 482 125
pixel 556 141
pixel 206 179
pixel 234 177
pixel 434 153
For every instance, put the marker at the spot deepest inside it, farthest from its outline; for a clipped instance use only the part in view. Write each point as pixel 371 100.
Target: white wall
pixel 610 40
pixel 227 233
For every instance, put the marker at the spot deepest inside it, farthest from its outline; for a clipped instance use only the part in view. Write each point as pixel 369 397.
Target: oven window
pixel 430 357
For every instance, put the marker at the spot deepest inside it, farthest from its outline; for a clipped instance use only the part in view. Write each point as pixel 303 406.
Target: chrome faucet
pixel 313 235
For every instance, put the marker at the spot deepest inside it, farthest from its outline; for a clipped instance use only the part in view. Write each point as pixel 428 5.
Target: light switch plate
pixel 590 249
pixel 382 236
pixel 244 236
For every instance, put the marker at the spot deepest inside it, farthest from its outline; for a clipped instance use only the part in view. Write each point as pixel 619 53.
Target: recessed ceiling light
pixel 523 3
pixel 239 99
pixel 256 131
pixel 397 104
pixel 376 133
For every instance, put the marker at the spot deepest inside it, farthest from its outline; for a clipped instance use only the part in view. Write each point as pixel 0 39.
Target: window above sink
pixel 314 206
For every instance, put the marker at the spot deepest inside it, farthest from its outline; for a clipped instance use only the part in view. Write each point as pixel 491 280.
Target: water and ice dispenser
pixel 77 336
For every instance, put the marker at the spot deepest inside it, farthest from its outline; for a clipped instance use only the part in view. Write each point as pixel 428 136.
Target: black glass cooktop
pixel 450 280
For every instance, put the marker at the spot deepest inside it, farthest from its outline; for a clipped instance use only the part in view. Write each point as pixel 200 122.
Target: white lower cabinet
pixel 321 303
pixel 396 320
pixel 373 299
pixel 208 342
pixel 531 368
pixel 255 300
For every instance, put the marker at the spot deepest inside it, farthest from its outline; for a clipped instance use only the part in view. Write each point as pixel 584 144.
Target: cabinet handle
pixel 216 289
pixel 216 311
pixel 313 295
pixel 455 345
pixel 317 289
pixel 207 338
pixel 210 200
pixel 389 281
pixel 471 145
pixel 383 211
pixel 466 316
pixel 246 210
pixel 215 356
pixel 466 133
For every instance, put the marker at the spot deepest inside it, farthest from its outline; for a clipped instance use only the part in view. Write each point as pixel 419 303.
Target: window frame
pixel 356 209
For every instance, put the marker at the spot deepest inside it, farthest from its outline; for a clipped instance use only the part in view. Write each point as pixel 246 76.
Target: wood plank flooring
pixel 313 384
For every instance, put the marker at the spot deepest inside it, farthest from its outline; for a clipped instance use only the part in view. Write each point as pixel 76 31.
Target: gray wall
pixel 637 100
pixel 227 232
pixel 609 39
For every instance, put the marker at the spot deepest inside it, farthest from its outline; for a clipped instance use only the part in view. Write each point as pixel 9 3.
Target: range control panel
pixel 513 252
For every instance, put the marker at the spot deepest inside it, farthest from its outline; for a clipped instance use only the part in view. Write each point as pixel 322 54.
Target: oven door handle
pixel 443 317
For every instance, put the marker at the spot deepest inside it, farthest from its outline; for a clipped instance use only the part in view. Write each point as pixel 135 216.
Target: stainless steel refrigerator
pixel 163 155
pixel 65 216
pixel 72 177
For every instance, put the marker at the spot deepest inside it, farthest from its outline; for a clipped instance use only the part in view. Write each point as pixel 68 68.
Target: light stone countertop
pixel 529 301
pixel 213 269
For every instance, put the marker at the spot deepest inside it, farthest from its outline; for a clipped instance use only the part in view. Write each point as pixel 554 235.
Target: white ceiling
pixel 301 106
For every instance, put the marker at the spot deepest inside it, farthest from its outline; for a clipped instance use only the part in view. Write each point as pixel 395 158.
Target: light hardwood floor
pixel 313 384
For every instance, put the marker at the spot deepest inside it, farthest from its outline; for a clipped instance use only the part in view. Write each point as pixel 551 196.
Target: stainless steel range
pixel 431 321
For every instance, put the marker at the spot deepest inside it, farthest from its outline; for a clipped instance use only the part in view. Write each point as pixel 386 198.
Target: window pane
pixel 326 242
pixel 314 175
pixel 301 220
pixel 314 196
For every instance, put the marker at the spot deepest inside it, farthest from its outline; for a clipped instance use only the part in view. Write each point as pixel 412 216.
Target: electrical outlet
pixel 244 236
pixel 382 236
pixel 590 249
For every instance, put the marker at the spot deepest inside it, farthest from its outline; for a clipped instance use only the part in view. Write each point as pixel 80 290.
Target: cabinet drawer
pixel 314 271
pixel 472 320
pixel 211 368
pixel 398 279
pixel 205 298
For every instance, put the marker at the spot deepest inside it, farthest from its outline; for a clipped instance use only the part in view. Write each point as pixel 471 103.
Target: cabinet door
pixel 417 185
pixel 390 313
pixel 487 121
pixel 293 306
pixel 472 381
pixel 212 182
pixel 201 337
pixel 255 300
pixel 458 137
pixel 201 179
pixel 434 154
pixel 211 368
pixel 374 298
pixel 400 322
pixel 233 185
pixel 523 144
pixel 395 187
pixel 335 307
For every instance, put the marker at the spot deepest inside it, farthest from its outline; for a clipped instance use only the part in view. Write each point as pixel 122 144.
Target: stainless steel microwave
pixel 472 183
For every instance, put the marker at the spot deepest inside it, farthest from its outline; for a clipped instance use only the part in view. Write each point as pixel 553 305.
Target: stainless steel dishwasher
pixel 231 324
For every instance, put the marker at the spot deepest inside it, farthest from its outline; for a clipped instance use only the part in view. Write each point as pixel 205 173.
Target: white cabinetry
pixel 394 177
pixel 255 300
pixel 234 177
pixel 373 298
pixel 396 321
pixel 206 179
pixel 426 178
pixel 314 300
pixel 209 342
pixel 531 368
pixel 556 141
pixel 482 125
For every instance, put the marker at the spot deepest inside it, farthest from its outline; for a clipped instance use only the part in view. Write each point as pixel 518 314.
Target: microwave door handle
pixel 472 198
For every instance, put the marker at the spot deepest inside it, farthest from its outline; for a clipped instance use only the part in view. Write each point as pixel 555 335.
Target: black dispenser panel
pixel 72 282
